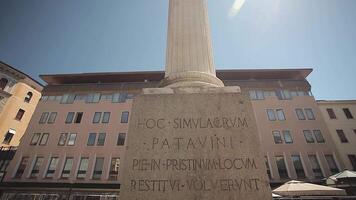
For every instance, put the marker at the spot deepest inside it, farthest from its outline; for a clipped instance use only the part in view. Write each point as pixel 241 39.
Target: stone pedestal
pixel 193 144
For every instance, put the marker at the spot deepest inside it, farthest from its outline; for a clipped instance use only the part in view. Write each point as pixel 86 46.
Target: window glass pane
pixel 98 168
pixel 308 136
pixel 71 139
pixel 44 139
pixel 35 138
pixel 22 167
pixel 294 93
pixel 97 117
pixel 83 167
pixel 106 97
pixel 280 115
pixel 114 168
pixel 331 113
pixel 115 98
pixel 352 159
pixel 43 118
pixel 287 137
pixel 269 93
pixel 69 118
pixel 286 94
pixel 122 97
pixel 67 168
pixel 315 166
pixel 347 113
pixel 52 167
pixel 318 136
pixel 93 98
pixel 332 164
pixel 67 98
pixel 36 167
pixel 277 137
pixel 260 95
pixel 106 117
pixel 300 114
pixel 282 168
pixel 62 139
pixel 271 115
pixel 309 113
pixel 298 166
pixel 342 136
pixel 91 139
pixel 19 114
pixel 101 139
pixel 253 94
pixel 52 118
pixel 8 137
pixel 121 139
pixel 78 117
pixel 268 168
pixel 125 117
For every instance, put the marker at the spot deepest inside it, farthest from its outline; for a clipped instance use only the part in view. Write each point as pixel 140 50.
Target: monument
pixel 193 138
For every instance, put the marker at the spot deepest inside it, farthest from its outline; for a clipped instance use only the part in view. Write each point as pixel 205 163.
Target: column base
pixel 191 79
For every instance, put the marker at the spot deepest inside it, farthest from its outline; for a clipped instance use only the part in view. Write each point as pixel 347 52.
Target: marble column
pixel 189 58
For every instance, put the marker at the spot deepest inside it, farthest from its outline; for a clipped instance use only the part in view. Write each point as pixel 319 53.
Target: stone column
pixel 189 58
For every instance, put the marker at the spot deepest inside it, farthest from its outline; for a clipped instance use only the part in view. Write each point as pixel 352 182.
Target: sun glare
pixel 236 7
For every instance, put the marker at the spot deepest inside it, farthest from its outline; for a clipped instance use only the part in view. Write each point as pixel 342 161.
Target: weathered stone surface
pixel 200 146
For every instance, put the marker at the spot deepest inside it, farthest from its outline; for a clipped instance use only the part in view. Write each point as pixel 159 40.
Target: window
pixel 98 168
pixel 8 136
pixel 352 159
pixel 52 118
pixel 69 118
pixel 280 115
pixel 52 167
pixel 282 168
pixel 93 98
pixel 342 136
pixel 78 117
pixel 114 168
pixel 271 115
pixel 22 167
pixel 256 95
pixel 300 114
pixel 308 136
pixel 277 137
pixel 62 139
pixel 106 117
pixel 83 167
pixel 44 118
pixel 91 139
pixel 355 131
pixel 283 94
pixel 315 166
pixel 332 164
pixel 28 97
pixel 125 117
pixel 318 136
pixel 19 114
pixel 3 83
pixel 106 97
pixel 119 98
pixel 44 139
pixel 121 139
pixel 67 99
pixel 35 138
pixel 287 137
pixel 101 139
pixel 68 164
pixel 331 113
pixel 71 139
pixel 298 166
pixel 347 113
pixel 274 115
pixel 268 168
pixel 36 167
pixel 97 117
pixel 309 113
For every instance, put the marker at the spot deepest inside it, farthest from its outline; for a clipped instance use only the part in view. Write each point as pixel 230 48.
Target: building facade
pixel 340 119
pixel 76 138
pixel 19 95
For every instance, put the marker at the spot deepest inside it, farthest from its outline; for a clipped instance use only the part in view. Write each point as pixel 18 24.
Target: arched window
pixel 28 97
pixel 3 83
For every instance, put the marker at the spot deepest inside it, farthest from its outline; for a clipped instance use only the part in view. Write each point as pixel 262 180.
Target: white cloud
pixel 235 8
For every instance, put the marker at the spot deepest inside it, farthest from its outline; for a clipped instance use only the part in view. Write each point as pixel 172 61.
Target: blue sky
pixel 50 36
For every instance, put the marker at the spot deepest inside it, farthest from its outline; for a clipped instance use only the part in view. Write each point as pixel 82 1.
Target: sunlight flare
pixel 235 8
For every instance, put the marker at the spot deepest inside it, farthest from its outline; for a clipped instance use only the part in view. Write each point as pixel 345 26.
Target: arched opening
pixel 28 97
pixel 3 83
